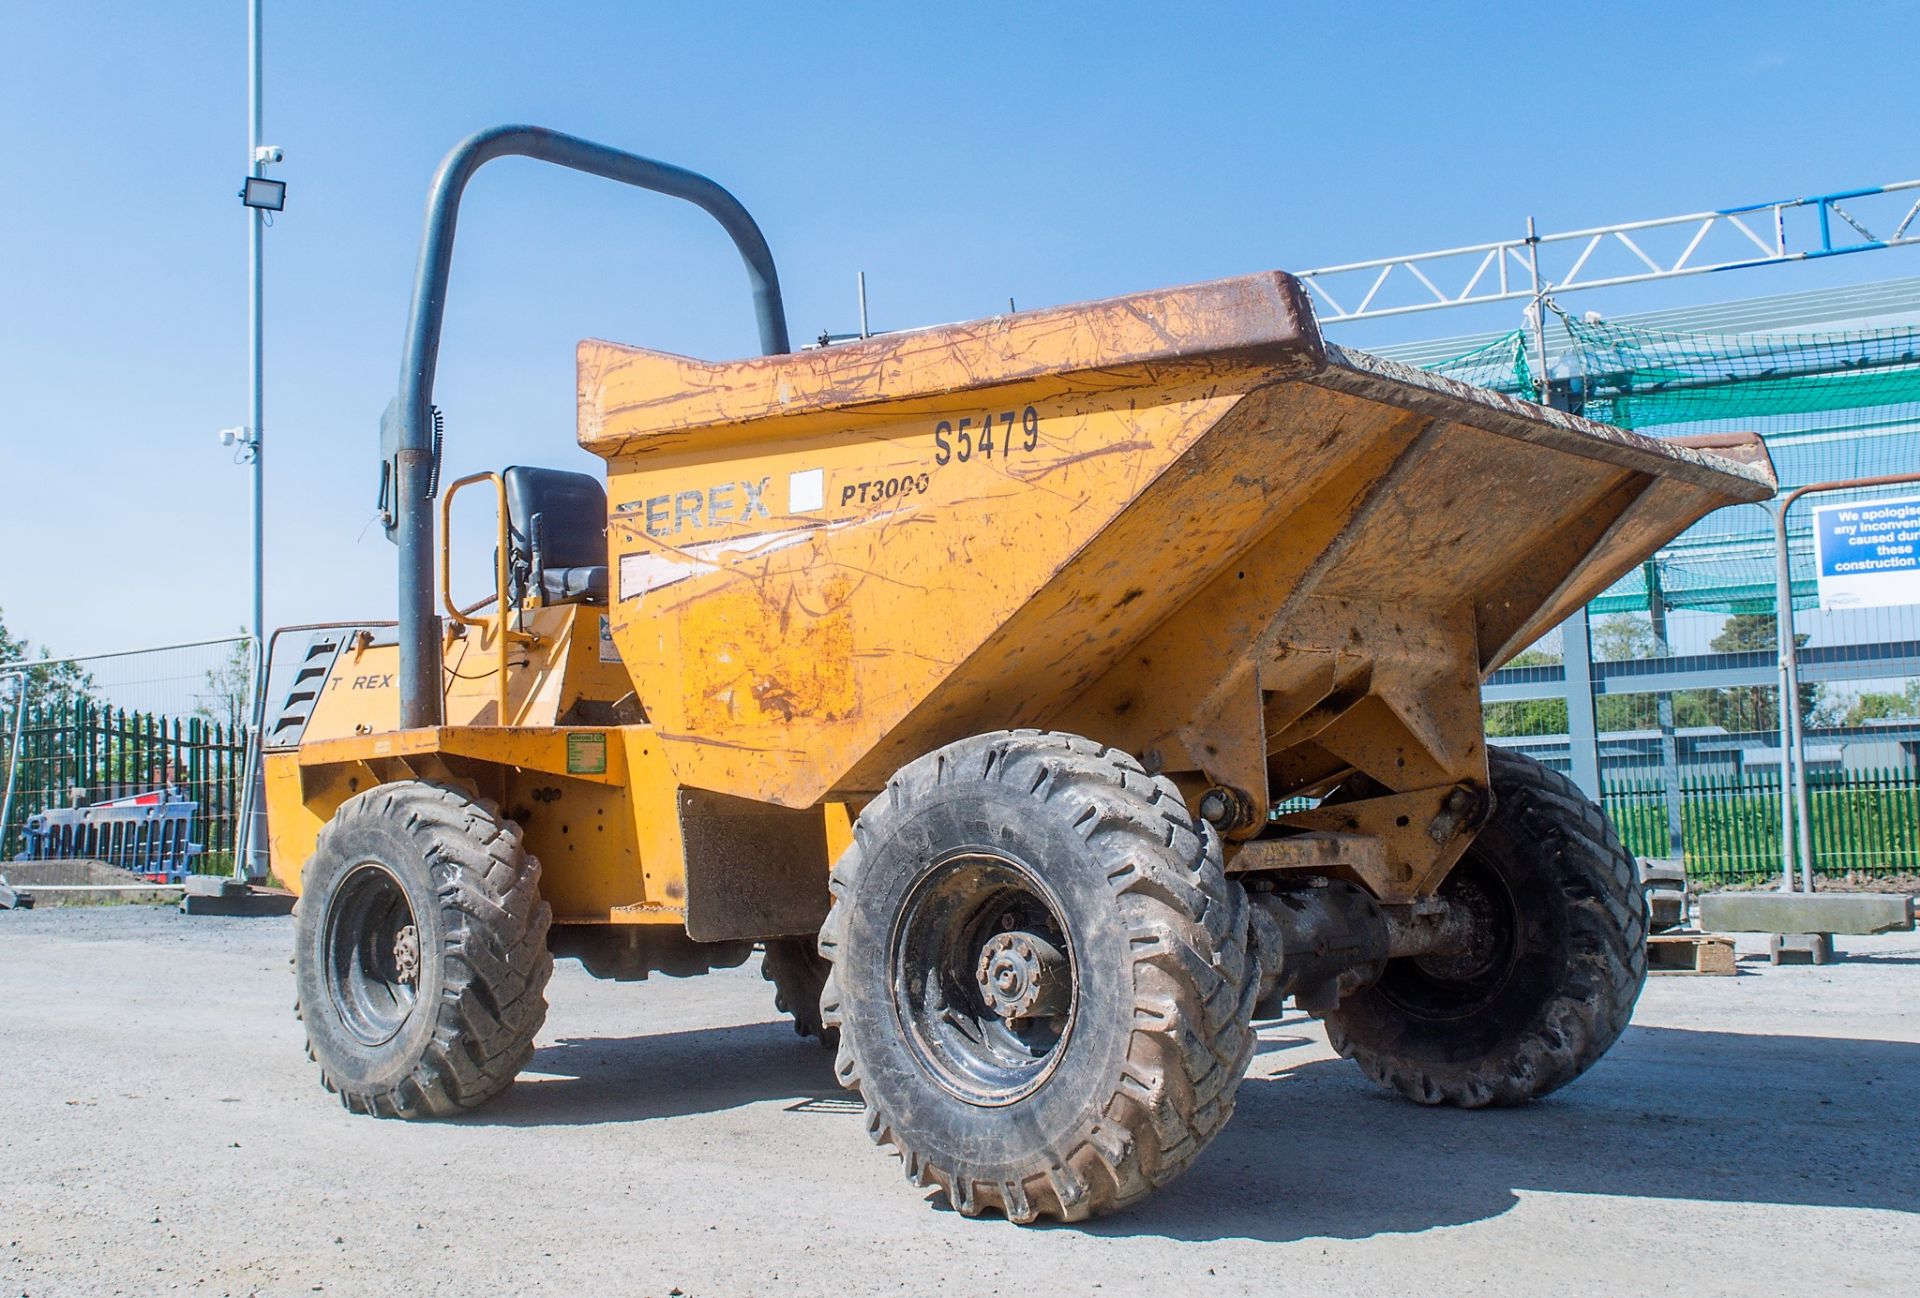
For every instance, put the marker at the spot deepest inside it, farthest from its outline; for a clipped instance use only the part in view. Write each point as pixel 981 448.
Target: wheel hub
pixel 1480 919
pixel 371 953
pixel 983 979
pixel 406 955
pixel 1021 975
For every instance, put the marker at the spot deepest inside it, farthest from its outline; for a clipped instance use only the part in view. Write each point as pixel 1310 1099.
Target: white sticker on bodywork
pixel 806 491
pixel 649 570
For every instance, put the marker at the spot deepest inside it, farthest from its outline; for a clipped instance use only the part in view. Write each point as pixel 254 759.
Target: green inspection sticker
pixel 587 754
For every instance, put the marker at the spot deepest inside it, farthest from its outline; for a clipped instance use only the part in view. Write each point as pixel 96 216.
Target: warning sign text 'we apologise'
pixel 1868 553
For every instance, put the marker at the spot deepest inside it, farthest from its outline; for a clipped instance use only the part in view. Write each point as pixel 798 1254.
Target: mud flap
pixel 753 870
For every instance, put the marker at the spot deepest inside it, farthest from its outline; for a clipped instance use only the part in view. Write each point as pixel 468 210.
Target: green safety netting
pixel 1500 365
pixel 1830 405
pixel 1651 379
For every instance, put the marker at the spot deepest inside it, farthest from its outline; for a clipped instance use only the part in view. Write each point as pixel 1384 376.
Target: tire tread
pixel 1191 1039
pixel 1590 1008
pixel 495 967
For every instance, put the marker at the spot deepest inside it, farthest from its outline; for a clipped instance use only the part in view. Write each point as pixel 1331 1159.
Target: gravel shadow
pixel 670 1074
pixel 1316 1151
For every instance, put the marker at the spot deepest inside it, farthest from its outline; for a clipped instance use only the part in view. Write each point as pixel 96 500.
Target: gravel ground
pixel 165 1133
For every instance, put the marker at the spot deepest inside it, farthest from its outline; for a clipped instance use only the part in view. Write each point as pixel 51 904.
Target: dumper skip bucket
pixel 1120 519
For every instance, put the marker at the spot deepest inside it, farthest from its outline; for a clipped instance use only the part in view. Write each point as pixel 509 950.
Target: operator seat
pixel 556 536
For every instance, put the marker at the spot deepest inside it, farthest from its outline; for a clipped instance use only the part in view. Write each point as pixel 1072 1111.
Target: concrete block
pixel 1801 948
pixel 1666 908
pixel 1662 871
pixel 1806 912
pixel 215 885
pixel 245 902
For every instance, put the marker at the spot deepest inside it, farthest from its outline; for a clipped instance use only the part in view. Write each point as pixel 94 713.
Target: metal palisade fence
pixel 1861 822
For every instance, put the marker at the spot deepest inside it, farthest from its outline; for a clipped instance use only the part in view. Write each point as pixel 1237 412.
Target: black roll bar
pixel 413 455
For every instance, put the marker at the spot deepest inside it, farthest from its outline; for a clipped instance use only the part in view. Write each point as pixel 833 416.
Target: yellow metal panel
pixel 632 399
pixel 751 667
pixel 584 836
pixel 567 661
pixel 839 829
pixel 359 696
pixel 654 805
pixel 300 801
pixel 293 823
pixel 597 805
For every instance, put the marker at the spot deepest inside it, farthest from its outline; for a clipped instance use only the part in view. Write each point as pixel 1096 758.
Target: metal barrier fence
pixel 1688 744
pixel 1861 822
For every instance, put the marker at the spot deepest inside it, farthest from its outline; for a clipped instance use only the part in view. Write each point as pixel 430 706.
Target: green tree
pixel 1622 638
pixel 1882 707
pixel 227 699
pixel 1626 638
pixel 1754 707
pixel 1528 716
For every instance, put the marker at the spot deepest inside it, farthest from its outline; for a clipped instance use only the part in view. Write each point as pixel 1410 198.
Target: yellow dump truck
pixel 1049 696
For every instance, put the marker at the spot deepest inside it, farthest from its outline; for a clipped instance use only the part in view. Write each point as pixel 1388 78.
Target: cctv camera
pixel 268 153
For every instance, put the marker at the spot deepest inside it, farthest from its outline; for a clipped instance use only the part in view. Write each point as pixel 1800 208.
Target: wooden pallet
pixel 1691 953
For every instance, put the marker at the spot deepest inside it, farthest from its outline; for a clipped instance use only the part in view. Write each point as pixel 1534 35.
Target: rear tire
pixel 420 952
pixel 1557 981
pixel 798 973
pixel 1114 1059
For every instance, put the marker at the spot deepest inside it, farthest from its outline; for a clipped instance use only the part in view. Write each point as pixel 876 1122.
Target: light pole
pixel 261 196
pixel 255 399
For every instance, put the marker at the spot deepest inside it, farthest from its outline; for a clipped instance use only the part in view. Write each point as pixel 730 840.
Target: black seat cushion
pixel 572 508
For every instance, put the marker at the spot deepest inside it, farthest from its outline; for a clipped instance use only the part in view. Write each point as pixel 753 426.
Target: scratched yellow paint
pixel 770 664
pixel 772 653
pixel 840 530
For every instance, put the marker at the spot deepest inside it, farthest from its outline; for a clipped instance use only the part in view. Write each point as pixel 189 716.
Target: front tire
pixel 420 956
pixel 1040 976
pixel 1562 962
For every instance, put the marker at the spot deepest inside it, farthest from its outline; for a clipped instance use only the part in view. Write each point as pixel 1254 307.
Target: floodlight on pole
pixel 267 195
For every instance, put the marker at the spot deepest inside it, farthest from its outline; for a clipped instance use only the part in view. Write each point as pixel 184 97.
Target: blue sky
pixel 960 156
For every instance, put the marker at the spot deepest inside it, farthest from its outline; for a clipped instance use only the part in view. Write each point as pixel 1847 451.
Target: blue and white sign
pixel 1868 552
